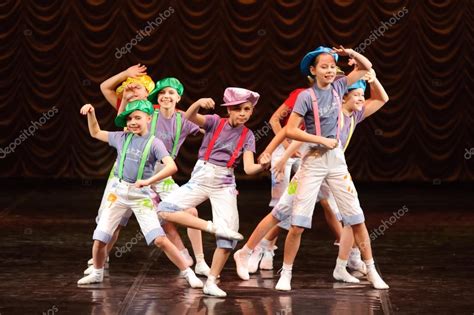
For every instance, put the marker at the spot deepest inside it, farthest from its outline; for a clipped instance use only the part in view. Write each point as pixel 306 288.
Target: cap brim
pixel 121 120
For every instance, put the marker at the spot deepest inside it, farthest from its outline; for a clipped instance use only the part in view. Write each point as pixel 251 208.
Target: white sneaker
pixel 187 258
pixel 254 259
pixel 202 269
pixel 94 277
pixel 211 288
pixel 225 232
pixel 341 274
pixel 193 281
pixel 89 270
pixel 284 283
pixel 241 263
pixel 267 260
pixel 374 278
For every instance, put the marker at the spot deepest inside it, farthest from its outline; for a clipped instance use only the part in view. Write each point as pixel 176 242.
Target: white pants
pixel 318 166
pixel 279 185
pixel 213 182
pixel 160 189
pixel 123 197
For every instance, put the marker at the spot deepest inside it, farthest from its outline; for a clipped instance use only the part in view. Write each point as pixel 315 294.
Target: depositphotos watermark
pixel 379 31
pixel 28 132
pixel 127 248
pixel 144 32
pixel 386 224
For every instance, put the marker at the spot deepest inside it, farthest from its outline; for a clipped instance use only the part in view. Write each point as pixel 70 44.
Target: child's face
pixel 134 91
pixel 354 100
pixel 324 69
pixel 168 98
pixel 240 114
pixel 137 122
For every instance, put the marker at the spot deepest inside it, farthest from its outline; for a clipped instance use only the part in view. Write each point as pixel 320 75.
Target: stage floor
pixel 426 256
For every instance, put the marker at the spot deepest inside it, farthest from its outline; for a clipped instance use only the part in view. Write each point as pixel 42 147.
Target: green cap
pixel 163 83
pixel 141 105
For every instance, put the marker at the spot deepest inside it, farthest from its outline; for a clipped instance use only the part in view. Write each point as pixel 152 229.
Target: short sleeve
pixel 159 149
pixel 115 137
pixel 301 104
pixel 249 144
pixel 211 121
pixel 291 100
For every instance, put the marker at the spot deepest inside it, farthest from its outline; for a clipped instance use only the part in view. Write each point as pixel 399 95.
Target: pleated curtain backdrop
pixel 55 54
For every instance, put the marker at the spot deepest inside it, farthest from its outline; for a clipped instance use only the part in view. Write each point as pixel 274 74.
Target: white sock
pixel 247 250
pixel 287 267
pixel 355 252
pixel 185 271
pixel 264 243
pixel 210 227
pixel 370 264
pixel 98 272
pixel 341 263
pixel 199 258
pixel 211 279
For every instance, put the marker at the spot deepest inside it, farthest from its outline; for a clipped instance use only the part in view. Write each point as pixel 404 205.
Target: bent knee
pixel 161 241
pixel 192 211
pixel 297 230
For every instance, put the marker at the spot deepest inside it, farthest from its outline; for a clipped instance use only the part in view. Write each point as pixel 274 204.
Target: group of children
pixel 319 123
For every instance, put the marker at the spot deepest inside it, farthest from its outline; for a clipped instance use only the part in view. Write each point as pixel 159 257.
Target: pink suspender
pixel 240 144
pixel 317 122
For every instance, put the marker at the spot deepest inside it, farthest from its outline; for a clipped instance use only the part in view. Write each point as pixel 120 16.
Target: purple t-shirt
pixel 358 117
pixel 134 155
pixel 327 108
pixel 225 143
pixel 166 130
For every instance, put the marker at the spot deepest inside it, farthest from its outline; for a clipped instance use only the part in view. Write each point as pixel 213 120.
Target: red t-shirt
pixel 290 103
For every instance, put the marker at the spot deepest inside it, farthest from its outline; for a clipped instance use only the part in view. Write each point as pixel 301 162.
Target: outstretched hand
pixel 136 70
pixel 207 103
pixel 341 51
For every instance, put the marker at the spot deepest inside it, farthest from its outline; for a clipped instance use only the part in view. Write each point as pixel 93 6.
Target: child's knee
pixel 163 215
pixel 161 241
pixel 192 211
pixel 296 230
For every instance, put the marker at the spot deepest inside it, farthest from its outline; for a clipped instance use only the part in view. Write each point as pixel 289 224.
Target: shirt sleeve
pixel 341 86
pixel 290 101
pixel 359 115
pixel 192 128
pixel 159 150
pixel 211 121
pixel 301 104
pixel 115 137
pixel 249 144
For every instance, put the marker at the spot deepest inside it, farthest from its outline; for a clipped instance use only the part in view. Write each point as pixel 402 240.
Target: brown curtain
pixel 54 55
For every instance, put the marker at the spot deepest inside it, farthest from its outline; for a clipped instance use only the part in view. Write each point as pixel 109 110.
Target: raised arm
pixel 378 96
pixel 192 112
pixel 93 124
pixel 108 86
pixel 363 65
pixel 294 132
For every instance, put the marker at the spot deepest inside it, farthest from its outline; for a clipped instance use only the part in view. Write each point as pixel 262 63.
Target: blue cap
pixel 308 59
pixel 358 85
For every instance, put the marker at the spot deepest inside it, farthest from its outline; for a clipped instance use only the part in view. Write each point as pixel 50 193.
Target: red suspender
pixel 240 144
pixel 216 135
pixel 214 138
pixel 317 122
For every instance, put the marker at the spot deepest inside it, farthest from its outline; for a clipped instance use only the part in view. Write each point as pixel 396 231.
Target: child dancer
pixel 169 126
pixel 137 154
pixel 320 107
pixel 226 141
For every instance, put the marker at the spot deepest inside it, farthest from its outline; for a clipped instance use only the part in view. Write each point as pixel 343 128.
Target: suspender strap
pixel 179 126
pixel 214 138
pixel 123 154
pixel 240 144
pixel 351 130
pixel 314 100
pixel 145 154
pixel 154 120
pixel 177 135
pixel 317 122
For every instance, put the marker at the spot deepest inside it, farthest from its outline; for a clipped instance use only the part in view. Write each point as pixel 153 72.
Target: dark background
pixel 57 54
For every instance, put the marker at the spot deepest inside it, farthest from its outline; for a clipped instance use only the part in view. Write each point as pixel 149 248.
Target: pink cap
pixel 235 96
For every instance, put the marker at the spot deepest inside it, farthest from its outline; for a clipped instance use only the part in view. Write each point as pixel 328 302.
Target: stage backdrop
pixel 54 55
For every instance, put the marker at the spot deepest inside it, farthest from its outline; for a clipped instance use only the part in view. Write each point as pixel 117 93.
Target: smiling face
pixel 324 69
pixel 137 122
pixel 239 114
pixel 168 98
pixel 354 100
pixel 134 91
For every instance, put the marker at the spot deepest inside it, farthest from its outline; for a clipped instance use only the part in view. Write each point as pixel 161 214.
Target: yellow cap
pixel 144 80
